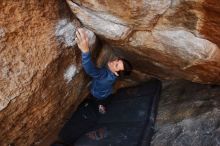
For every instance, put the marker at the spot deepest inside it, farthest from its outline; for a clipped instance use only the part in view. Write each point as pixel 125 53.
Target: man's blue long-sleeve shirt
pixel 102 78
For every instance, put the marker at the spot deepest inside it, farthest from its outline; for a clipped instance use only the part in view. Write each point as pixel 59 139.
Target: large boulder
pixel 188 115
pixel 41 78
pixel 166 39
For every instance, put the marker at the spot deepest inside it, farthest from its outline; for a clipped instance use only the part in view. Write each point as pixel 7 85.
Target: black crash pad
pixel 129 120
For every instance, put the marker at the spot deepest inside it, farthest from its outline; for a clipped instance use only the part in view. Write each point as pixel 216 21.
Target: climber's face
pixel 115 66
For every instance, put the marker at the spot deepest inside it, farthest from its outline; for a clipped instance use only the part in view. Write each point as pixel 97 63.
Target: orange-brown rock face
pixel 167 39
pixel 41 78
pixel 40 72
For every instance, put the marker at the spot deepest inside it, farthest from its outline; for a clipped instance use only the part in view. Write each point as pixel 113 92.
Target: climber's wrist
pixel 85 50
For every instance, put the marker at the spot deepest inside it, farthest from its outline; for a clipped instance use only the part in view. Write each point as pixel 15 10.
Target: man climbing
pixel 94 105
pixel 102 78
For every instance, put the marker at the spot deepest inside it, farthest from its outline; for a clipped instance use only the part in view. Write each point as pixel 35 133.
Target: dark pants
pixel 82 120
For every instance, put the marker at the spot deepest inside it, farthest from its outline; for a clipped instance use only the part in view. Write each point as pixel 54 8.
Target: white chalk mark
pixel 70 73
pixel 65 32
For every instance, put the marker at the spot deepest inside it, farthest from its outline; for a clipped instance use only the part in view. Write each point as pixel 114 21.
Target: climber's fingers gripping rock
pixel 82 40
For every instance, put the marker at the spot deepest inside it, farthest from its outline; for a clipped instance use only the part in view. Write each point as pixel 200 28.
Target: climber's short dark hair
pixel 127 68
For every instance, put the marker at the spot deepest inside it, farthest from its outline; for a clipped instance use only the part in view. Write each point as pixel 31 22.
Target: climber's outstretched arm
pixel 83 44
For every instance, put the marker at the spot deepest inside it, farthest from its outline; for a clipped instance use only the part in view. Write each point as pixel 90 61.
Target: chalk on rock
pixel 2 32
pixel 65 33
pixel 70 73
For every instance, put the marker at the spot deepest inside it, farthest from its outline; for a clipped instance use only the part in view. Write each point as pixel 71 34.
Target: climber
pixel 94 106
pixel 102 78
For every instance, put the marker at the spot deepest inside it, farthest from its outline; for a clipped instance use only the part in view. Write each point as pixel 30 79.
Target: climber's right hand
pixel 102 109
pixel 82 40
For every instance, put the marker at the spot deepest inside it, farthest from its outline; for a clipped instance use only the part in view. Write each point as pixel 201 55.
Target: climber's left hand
pixel 82 40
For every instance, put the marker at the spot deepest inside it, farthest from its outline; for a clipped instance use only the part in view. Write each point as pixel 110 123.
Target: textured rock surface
pixel 188 115
pixel 41 79
pixel 167 39
pixel 40 70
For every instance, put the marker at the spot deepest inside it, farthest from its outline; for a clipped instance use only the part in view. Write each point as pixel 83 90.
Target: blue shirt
pixel 102 78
